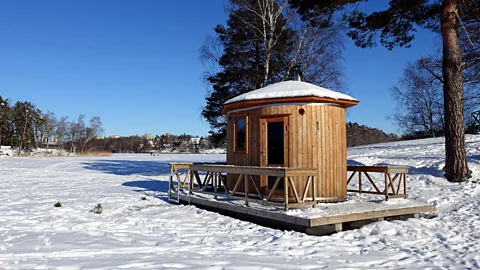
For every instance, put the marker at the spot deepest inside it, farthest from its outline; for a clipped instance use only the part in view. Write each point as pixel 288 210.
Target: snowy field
pixel 151 234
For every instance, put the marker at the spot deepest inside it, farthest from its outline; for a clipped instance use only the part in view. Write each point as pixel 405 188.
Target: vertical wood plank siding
pixel 310 146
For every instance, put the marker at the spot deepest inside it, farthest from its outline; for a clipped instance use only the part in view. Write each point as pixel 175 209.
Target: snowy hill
pixel 152 234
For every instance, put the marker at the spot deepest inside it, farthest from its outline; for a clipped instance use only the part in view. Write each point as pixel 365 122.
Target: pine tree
pixel 26 120
pixel 5 122
pixel 396 26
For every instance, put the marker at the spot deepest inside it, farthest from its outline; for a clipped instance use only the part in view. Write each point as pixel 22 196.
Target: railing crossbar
pixel 391 189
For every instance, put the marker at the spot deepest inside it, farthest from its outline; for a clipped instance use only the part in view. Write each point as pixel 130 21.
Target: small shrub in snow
pixel 58 204
pixel 144 198
pixel 98 209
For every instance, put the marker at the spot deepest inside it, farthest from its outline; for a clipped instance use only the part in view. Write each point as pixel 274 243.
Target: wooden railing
pixel 390 188
pixel 175 174
pixel 216 177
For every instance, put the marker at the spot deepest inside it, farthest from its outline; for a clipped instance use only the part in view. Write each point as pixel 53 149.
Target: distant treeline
pixel 24 126
pixel 361 135
pixel 160 143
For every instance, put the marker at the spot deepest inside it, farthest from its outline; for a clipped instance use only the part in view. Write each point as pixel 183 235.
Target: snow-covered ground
pixel 153 234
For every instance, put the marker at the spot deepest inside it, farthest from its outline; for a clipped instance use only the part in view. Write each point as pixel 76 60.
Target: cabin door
pixel 274 147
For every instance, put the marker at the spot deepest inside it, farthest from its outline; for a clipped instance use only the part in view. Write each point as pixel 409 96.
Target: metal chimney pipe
pixel 297 73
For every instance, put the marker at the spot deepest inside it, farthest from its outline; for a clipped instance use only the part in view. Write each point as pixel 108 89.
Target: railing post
pixel 386 186
pixel 170 179
pixel 314 192
pixel 285 189
pixel 360 181
pixel 245 179
pixel 214 180
pixel 190 185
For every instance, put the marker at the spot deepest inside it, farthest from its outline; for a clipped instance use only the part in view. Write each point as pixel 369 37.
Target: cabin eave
pixel 304 99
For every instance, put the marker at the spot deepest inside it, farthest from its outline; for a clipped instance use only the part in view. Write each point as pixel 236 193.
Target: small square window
pixel 241 134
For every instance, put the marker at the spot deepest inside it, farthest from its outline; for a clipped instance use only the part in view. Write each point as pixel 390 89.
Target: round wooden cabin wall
pixel 316 139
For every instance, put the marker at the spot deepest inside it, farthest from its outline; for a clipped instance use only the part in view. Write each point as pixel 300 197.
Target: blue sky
pixel 136 63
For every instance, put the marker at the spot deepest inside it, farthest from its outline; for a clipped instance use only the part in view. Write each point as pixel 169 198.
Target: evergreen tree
pixel 26 119
pixel 396 26
pixel 5 122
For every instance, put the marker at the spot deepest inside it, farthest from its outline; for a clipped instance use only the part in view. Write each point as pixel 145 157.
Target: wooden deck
pixel 211 193
pixel 310 225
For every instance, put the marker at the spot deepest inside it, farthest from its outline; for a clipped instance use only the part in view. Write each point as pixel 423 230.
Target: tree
pixel 361 135
pixel 419 100
pixel 61 131
pixel 267 21
pixel 396 27
pixel 471 52
pixel 419 97
pixel 93 130
pixel 25 120
pixel 261 44
pixel 5 121
pixel 75 131
pixel 48 126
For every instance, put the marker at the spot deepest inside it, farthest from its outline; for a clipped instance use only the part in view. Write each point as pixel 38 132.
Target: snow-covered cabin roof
pixel 294 91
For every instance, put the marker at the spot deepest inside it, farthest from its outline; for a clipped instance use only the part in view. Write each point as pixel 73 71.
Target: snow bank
pixel 290 89
pixel 8 151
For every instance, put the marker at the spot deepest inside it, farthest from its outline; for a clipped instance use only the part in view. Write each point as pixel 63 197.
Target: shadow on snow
pixel 151 187
pixel 129 167
pixel 351 162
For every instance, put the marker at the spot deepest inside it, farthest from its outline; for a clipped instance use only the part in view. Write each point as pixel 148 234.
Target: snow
pixel 8 151
pixel 132 233
pixel 214 151
pixel 356 203
pixel 290 89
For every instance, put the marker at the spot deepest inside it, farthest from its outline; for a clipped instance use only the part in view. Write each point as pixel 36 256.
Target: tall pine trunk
pixel 456 168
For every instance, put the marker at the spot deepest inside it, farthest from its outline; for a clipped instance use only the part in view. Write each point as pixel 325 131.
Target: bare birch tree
pixel 47 128
pixel 274 18
pixel 93 130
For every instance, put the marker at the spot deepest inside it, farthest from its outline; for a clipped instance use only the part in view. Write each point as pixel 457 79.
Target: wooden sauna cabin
pixel 291 124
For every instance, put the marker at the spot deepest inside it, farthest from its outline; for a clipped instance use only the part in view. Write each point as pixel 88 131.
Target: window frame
pixel 236 149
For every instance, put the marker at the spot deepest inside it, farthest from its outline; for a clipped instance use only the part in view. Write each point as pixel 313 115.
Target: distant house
pixel 111 137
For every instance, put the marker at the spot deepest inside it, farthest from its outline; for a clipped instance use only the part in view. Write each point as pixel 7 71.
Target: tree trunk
pixel 456 168
pixel 23 135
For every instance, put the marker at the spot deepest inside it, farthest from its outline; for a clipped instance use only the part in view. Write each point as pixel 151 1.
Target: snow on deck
pixel 132 233
pixel 355 203
pixel 290 89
